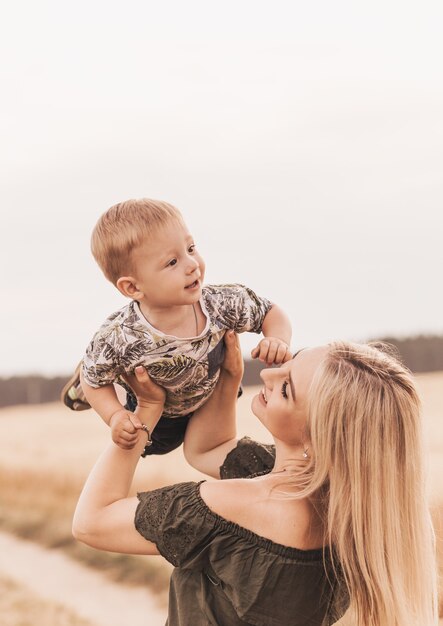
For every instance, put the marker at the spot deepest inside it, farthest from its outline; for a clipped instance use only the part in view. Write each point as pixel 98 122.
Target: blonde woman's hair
pixel 125 226
pixel 367 472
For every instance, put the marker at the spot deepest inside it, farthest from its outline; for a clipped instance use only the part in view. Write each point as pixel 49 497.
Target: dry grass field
pixel 20 607
pixel 47 451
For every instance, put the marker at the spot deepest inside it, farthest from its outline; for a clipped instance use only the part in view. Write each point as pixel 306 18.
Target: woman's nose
pixel 267 375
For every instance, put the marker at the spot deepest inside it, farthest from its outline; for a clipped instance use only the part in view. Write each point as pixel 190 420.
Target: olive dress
pixel 226 575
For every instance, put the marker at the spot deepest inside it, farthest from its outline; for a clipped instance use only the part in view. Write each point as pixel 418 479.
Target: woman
pixel 335 515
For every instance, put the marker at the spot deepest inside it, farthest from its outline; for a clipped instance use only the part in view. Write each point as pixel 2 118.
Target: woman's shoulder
pixel 247 459
pixel 180 517
pixel 255 506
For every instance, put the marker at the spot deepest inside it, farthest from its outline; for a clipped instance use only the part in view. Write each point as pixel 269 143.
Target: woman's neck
pixel 290 458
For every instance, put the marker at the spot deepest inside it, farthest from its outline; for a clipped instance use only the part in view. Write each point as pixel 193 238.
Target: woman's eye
pixel 172 262
pixel 283 389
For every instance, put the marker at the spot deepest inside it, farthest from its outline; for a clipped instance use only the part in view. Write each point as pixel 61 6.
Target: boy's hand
pixel 125 428
pixel 272 350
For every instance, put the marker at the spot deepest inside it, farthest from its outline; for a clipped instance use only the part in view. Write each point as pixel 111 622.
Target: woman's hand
pixel 147 392
pixel 233 365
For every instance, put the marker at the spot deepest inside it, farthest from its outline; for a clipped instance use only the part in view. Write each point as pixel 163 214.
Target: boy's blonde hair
pixel 124 227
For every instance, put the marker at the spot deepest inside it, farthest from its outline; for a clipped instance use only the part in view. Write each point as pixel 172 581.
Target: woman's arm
pixel 211 432
pixel 104 517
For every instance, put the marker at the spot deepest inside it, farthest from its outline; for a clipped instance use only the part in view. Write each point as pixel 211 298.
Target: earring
pixel 305 453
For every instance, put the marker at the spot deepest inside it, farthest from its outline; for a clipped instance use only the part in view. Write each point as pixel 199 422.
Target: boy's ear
pixel 128 287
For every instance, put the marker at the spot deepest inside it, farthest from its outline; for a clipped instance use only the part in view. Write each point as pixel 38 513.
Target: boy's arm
pixel 277 331
pixel 277 324
pixel 105 402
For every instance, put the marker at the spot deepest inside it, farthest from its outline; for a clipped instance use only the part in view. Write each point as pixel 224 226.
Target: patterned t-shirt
pixel 187 367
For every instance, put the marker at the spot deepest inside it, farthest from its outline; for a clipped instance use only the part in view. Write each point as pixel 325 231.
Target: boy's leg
pixel 168 434
pixel 131 400
pixel 72 393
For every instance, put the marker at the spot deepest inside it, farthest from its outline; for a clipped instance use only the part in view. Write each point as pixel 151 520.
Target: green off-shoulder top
pixel 226 575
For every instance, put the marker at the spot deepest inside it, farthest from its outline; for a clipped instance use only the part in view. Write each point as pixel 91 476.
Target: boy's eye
pixel 172 262
pixel 283 389
pixel 191 249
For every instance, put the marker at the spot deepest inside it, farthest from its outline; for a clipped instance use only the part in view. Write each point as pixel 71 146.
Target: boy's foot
pixel 72 393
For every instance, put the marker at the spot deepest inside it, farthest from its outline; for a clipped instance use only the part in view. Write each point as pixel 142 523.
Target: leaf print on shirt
pixel 197 344
pixel 235 318
pixel 102 374
pixel 133 352
pixel 177 371
pixel 236 307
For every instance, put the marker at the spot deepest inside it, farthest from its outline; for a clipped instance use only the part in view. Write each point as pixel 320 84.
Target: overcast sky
pixel 303 142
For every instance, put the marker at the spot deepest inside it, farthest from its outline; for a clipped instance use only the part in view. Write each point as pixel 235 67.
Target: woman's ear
pixel 128 287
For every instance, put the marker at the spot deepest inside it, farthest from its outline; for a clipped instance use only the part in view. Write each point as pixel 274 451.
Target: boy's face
pixel 168 270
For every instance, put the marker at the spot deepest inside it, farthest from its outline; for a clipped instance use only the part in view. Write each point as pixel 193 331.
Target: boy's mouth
pixel 193 285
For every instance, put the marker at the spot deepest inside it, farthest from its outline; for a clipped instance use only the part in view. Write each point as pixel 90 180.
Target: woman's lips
pixel 262 397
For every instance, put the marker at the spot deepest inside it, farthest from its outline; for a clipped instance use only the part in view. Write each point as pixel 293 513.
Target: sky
pixel 303 142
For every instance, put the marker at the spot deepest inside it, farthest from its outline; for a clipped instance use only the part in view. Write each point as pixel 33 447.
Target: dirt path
pixel 55 577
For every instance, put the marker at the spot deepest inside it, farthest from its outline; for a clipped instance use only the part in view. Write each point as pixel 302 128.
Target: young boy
pixel 173 326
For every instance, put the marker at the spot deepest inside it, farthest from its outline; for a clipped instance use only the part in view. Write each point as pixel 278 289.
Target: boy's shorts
pixel 169 432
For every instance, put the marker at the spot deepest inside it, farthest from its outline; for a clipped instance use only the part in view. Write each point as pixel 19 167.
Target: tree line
pixel 423 353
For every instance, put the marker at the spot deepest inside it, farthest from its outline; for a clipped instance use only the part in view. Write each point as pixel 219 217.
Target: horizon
pixel 253 363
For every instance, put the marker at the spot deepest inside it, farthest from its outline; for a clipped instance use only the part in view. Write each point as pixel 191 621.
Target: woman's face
pixel 282 403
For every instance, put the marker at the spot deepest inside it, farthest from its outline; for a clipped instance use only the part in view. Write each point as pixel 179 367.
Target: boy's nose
pixel 192 265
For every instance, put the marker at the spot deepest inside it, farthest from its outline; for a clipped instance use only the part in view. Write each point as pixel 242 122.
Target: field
pixel 19 605
pixel 46 453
